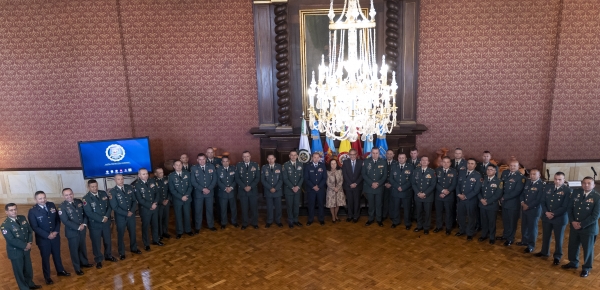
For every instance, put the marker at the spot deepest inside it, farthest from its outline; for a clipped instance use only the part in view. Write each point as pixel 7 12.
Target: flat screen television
pixel 106 158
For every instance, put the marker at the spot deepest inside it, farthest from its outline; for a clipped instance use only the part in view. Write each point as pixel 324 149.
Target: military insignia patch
pixel 166 181
pixel 231 173
pixel 52 210
pixel 185 177
pixel 210 171
pixel 590 200
pixel 60 212
pixel 84 202
pixel 320 170
pixel 473 180
pixel 4 232
pixel 450 175
pixel 523 180
pixel 406 171
pixel 104 198
pixel 493 185
pixel 24 222
pixel 303 156
pixel 534 188
pixel 428 176
pixel 151 185
pixel 277 171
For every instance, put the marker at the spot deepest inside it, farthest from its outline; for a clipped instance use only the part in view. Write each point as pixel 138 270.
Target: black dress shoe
pixel 521 244
pixel 448 232
pixel 354 221
pixel 147 248
pixel 79 273
pixel 236 225
pixel 255 227
pixel 482 239
pixel 368 223
pixel 556 261
pixel 507 243
pixel 322 223
pixel 458 234
pixel 469 238
pixel 213 229
pixel 191 233
pixel 166 236
pixel 568 266
pixel 159 243
pixel 35 287
pixel 280 225
pixel 267 226
pixel 49 281
pixel 178 237
pixel 308 224
pixel 528 250
pixel 111 258
pixel 492 242
pixel 298 224
pixel 291 226
pixel 426 232
pixel 380 224
pixel 243 227
pixel 408 228
pixel 540 254
pixel 500 238
pixel 584 273
pixel 99 265
pixel 436 230
pixel 417 230
pixel 122 257
pixel 222 227
pixel 137 252
pixel 88 265
pixel 394 226
pixel 348 220
pixel 64 273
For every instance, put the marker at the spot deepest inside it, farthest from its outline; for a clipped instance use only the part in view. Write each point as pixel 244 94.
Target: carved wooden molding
pixel 283 72
pixel 391 34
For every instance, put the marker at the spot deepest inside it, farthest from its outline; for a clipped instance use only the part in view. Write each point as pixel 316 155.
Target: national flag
pixel 344 150
pixel 381 143
pixel 368 146
pixel 356 145
pixel 304 147
pixel 317 145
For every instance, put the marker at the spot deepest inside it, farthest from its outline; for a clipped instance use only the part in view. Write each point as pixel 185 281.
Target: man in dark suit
pixel 124 204
pixel 374 174
pixel 247 178
pixel 485 161
pixel 584 212
pixel 227 191
pixel 315 180
pixel 45 222
pixel 387 190
pixel 555 202
pixel 415 161
pixel 513 182
pixel 459 163
pixel 469 186
pixel 423 184
pixel 180 187
pixel 19 236
pixel 272 183
pixel 351 170
pixel 164 201
pixel 447 179
pixel 293 178
pixel 491 192
pixel 531 210
pixel 147 195
pixel 185 165
pixel 204 181
pixel 97 209
pixel 72 216
pixel 402 194
pixel 216 162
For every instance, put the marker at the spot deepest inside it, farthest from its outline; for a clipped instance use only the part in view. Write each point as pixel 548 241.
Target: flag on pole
pixel 304 147
pixel 381 143
pixel 317 145
pixel 329 149
pixel 356 145
pixel 344 150
pixel 368 146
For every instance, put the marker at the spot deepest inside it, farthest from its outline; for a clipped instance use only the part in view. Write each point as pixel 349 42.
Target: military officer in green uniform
pixel 583 211
pixel 181 190
pixel 555 202
pixel 204 180
pixel 19 239
pixel 402 194
pixel 424 182
pixel 272 185
pixel 164 202
pixel 491 192
pixel 124 204
pixel 71 215
pixel 216 162
pixel 293 177
pixel 247 178
pixel 531 210
pixel 447 179
pixel 512 187
pixel 387 190
pixel 468 189
pixel 148 200
pixel 97 208
pixel 227 190
pixel 374 173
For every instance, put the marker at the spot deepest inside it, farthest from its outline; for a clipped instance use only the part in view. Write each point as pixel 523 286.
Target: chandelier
pixel 351 97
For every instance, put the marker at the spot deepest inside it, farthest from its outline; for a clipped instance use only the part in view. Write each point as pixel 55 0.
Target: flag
pixel 356 145
pixel 344 150
pixel 304 148
pixel 381 143
pixel 368 146
pixel 317 146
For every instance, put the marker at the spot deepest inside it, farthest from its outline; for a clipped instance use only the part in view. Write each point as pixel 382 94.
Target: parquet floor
pixel 335 256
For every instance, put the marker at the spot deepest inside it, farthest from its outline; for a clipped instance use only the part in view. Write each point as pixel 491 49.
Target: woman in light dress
pixel 335 193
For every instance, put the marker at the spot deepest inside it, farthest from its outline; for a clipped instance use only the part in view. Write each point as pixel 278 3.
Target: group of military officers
pixel 462 190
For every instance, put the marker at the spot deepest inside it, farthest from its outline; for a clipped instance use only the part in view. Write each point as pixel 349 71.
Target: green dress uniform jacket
pixel 18 234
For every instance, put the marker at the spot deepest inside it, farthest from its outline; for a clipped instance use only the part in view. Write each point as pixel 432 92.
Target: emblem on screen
pixel 115 152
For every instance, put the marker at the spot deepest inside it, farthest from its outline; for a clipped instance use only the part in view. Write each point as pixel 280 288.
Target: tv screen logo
pixel 115 152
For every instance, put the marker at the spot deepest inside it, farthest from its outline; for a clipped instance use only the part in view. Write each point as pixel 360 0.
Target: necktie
pixel 45 208
pixel 423 171
pixel 468 173
pixel 315 165
pixel 390 163
pixel 401 167
pixel 179 175
pixel 247 165
pixel 445 171
pixel 202 168
pixel 271 168
pixel 352 166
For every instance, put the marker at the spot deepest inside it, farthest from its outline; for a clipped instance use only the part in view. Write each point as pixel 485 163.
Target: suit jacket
pixel 292 176
pixel 532 193
pixel 206 178
pixel 585 210
pixel 459 166
pixel 180 187
pixel 123 201
pixel 226 178
pixel 272 179
pixel 352 177
pixel 513 187
pixel 469 185
pixel 481 168
pixel 146 194
pixel 557 202
pixel 247 177
pixel 162 189
pixel 446 181
pixel 491 191
pixel 44 222
pixel 72 216
pixel 315 176
pixel 96 208
pixel 18 234
pixel 401 179
pixel 424 182
pixel 187 168
pixel 374 171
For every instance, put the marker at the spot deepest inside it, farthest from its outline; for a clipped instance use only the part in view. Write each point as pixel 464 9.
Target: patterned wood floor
pixel 335 256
